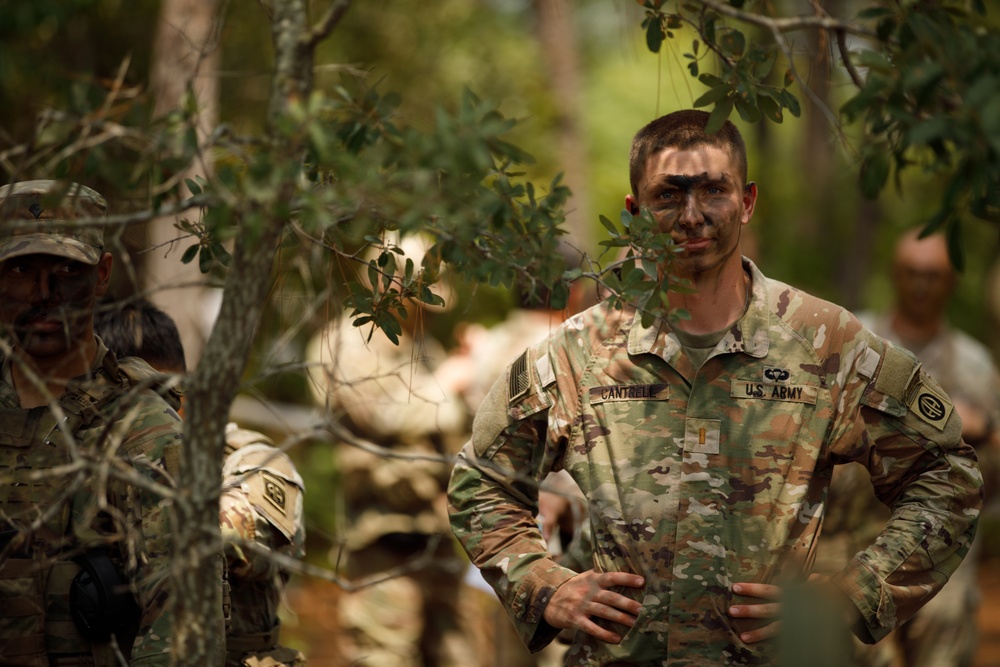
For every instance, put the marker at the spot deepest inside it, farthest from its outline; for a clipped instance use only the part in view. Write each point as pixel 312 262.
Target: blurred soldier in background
pixel 942 633
pixel 84 557
pixel 260 510
pixel 397 535
pixel 482 355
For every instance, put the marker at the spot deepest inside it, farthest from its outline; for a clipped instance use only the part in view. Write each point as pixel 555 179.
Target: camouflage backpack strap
pixel 137 373
pixel 86 399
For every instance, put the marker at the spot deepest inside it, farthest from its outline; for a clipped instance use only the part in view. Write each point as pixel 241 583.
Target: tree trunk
pixel 557 39
pixel 197 603
pixel 185 54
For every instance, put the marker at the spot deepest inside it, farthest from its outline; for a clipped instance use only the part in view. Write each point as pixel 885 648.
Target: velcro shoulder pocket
pixel 516 396
pixel 891 380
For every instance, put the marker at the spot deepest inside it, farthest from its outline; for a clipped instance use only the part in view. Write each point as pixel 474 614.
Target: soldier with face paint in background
pixel 944 632
pixel 704 447
pixel 261 504
pixel 85 551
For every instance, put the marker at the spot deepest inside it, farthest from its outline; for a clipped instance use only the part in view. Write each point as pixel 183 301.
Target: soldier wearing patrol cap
pixel 705 446
pixel 261 507
pixel 84 560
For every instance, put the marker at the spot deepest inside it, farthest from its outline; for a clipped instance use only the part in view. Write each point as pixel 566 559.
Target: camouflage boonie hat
pixel 51 201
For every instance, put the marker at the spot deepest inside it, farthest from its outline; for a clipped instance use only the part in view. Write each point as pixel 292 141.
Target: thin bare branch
pixel 845 55
pixel 788 24
pixel 321 30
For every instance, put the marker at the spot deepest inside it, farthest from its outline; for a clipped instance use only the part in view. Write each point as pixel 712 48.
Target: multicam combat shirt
pixel 128 423
pixel 701 478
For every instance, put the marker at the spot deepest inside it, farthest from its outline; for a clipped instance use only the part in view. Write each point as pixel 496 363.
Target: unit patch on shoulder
pixel 519 379
pixel 931 406
pixel 274 490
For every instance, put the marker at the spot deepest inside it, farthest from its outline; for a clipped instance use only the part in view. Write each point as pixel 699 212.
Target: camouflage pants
pixel 411 619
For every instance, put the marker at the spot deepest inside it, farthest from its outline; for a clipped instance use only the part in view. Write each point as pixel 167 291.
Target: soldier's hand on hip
pixel 765 610
pixel 587 595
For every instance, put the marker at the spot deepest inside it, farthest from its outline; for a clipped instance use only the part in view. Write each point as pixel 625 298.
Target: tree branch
pixel 321 30
pixel 786 24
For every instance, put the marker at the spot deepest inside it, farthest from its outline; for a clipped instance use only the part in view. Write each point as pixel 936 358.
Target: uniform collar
pixel 8 394
pixel 749 335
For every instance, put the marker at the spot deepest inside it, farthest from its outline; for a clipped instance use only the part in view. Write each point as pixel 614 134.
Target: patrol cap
pixel 50 202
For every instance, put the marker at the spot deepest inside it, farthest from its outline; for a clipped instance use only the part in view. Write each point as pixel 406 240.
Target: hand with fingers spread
pixel 844 611
pixel 588 596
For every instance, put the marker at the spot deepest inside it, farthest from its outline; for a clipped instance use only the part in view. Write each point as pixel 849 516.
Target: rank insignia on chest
pixel 701 436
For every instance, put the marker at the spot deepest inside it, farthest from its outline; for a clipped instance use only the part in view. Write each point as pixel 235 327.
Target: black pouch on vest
pixel 100 600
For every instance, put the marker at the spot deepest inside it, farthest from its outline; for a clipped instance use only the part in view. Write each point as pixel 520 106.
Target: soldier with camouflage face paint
pixel 261 502
pixel 85 552
pixel 705 447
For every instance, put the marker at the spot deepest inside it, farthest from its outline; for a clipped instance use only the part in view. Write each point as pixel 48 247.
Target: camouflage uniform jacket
pixel 261 504
pixel 56 517
pixel 700 478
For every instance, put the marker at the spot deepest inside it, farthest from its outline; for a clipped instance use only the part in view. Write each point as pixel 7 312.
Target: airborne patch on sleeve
pixel 931 406
pixel 519 380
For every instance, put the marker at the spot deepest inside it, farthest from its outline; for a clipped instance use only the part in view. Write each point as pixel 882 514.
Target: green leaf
pixel 874 173
pixel 190 253
pixel 875 61
pixel 559 296
pixel 789 77
pixel 884 29
pixel 790 102
pixel 747 110
pixel 733 43
pixel 926 131
pixel 610 226
pixel 204 259
pixel 712 96
pixel 719 115
pixel 711 80
pixel 193 187
pixel 769 107
pixel 765 64
pixel 626 218
pixel 654 36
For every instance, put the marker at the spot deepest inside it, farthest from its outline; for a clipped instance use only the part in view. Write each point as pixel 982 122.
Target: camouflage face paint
pixel 46 302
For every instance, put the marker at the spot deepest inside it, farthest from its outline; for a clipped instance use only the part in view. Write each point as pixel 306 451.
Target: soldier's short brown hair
pixel 683 130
